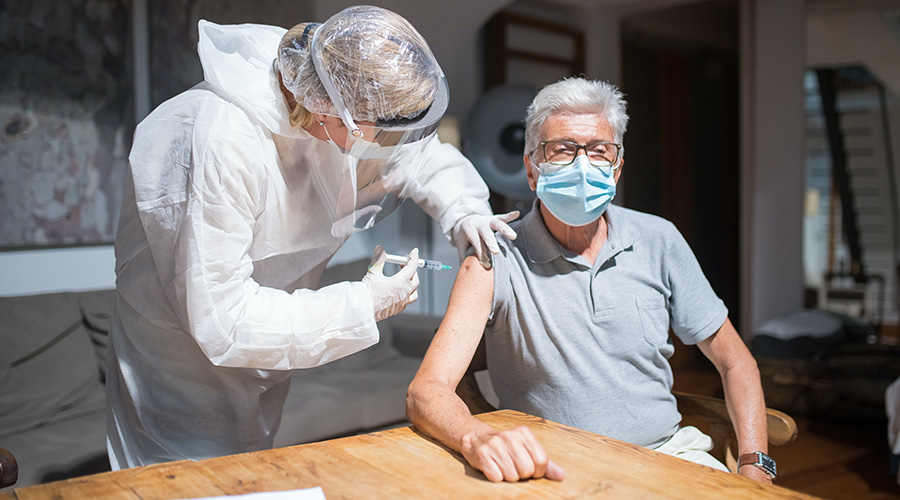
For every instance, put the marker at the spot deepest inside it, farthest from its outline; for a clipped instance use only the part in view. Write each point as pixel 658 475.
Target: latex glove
pixel 478 231
pixel 391 294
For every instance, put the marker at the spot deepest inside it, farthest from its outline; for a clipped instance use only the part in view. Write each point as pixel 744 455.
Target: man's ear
pixel 531 173
pixel 619 170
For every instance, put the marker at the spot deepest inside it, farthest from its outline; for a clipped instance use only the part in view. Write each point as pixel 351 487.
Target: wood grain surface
pixel 403 463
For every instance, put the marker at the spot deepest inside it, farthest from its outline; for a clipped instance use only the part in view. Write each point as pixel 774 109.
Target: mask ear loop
pixel 333 93
pixel 330 140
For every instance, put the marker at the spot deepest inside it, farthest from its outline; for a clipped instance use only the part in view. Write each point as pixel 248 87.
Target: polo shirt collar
pixel 622 233
pixel 540 244
pixel 542 247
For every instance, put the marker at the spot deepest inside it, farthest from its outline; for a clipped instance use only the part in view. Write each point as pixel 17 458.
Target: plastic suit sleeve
pixel 449 188
pixel 234 320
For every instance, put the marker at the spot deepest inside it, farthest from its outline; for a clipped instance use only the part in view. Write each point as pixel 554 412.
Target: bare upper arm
pixel 725 348
pixel 461 330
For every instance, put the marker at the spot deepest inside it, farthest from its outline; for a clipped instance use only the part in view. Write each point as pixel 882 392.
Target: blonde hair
pixel 298 116
pixel 301 117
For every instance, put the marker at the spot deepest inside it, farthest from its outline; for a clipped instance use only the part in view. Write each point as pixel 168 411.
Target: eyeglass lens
pixel 564 152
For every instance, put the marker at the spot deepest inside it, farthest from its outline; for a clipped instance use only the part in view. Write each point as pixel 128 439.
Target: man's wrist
pixel 467 443
pixel 759 460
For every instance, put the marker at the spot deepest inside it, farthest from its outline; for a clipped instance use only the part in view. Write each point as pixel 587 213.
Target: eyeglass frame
pixel 543 147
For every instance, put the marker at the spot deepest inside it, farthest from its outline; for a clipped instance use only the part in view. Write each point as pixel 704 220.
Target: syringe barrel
pixel 431 264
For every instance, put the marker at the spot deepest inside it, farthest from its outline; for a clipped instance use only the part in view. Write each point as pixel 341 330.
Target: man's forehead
pixel 569 125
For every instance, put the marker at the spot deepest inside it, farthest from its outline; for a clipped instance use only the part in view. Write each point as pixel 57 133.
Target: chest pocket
pixel 654 319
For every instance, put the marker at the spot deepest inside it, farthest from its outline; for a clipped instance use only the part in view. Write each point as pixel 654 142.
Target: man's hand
pixel 755 473
pixel 510 455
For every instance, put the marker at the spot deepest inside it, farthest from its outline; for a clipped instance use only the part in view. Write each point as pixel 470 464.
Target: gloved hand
pixel 391 294
pixel 478 231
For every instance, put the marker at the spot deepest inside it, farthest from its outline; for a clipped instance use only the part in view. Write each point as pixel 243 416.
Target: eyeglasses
pixel 563 153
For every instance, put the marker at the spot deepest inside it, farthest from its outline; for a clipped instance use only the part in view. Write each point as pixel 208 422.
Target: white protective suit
pixel 219 250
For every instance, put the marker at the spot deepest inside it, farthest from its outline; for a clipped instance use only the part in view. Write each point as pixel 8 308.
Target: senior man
pixel 576 312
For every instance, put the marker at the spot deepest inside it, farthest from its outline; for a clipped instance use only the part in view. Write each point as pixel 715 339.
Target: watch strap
pixel 760 460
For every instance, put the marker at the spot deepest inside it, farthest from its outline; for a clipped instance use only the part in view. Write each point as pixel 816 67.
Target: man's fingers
pixel 491 471
pixel 493 459
pixel 554 471
pixel 525 466
pixel 519 443
pixel 509 468
pixel 536 454
pixel 513 455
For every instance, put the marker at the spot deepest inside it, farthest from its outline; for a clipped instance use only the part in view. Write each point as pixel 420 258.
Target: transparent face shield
pixel 374 182
pixel 381 160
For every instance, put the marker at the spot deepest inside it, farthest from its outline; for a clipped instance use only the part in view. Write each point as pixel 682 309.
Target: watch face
pixel 767 463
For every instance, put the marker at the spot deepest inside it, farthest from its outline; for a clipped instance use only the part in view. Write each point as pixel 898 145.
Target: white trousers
pixel 691 444
pixel 892 408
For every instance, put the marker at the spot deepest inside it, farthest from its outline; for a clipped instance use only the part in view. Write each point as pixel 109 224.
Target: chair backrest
pixel 709 414
pixel 9 468
pixel 468 389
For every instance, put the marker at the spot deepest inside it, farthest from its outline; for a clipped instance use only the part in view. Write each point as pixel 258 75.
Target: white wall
pixel 772 159
pixel 64 269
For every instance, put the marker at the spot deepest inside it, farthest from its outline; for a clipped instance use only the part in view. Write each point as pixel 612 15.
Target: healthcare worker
pixel 243 188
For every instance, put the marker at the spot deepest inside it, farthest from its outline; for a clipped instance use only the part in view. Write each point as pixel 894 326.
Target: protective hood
pixel 237 59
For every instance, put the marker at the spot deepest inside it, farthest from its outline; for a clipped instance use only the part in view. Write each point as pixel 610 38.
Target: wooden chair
pixel 711 416
pixel 9 469
pixel 706 413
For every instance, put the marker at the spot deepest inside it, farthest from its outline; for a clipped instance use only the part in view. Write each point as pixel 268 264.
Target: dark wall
pixel 682 153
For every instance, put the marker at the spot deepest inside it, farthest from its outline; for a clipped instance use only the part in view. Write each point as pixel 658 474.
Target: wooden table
pixel 404 464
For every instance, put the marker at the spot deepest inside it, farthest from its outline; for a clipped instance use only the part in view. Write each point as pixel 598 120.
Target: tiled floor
pixel 843 458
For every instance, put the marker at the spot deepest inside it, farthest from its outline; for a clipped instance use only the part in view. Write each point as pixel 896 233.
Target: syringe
pixel 426 263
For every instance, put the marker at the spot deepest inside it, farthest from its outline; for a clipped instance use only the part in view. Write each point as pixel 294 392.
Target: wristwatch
pixel 760 460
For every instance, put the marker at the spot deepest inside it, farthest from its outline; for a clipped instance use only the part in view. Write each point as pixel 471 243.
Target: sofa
pixel 52 370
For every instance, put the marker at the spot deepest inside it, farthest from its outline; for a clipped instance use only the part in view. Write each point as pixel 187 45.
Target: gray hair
pixel 575 95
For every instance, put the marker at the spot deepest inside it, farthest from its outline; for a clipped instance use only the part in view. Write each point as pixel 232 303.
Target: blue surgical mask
pixel 579 193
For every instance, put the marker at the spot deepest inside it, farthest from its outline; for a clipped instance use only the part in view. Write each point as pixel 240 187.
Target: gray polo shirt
pixel 588 346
